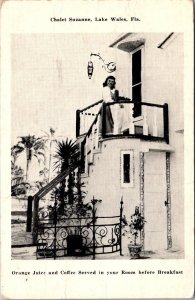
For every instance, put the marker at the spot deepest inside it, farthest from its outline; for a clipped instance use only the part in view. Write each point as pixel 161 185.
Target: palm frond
pixel 67 152
pixel 16 149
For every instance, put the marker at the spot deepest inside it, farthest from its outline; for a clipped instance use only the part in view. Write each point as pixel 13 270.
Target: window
pixel 127 168
pixel 137 81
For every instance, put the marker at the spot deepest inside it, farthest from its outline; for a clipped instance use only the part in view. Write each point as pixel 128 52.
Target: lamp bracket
pixel 109 67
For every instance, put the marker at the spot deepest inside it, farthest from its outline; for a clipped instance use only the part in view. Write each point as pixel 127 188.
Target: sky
pixel 49 80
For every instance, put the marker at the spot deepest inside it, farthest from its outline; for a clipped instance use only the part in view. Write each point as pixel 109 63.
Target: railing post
pixel 121 214
pixel 35 219
pixel 93 221
pixel 29 214
pixel 82 157
pixel 77 122
pixel 55 229
pixel 103 120
pixel 166 122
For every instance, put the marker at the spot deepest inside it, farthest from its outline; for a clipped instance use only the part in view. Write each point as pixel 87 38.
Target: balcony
pixel 126 118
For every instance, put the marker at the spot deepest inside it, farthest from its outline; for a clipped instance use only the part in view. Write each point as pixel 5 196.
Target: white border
pixel 156 16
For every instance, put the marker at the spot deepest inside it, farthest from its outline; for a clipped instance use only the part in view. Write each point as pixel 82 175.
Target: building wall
pixel 162 71
pixel 104 182
pixel 163 83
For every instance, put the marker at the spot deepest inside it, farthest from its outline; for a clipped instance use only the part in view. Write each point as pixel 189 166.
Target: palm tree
pixel 49 138
pixel 15 150
pixel 67 154
pixel 34 147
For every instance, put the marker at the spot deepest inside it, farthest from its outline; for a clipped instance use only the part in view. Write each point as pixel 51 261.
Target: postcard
pixel 97 149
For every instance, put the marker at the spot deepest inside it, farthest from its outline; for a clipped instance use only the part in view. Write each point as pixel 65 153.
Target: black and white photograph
pixel 97 153
pixel 97 140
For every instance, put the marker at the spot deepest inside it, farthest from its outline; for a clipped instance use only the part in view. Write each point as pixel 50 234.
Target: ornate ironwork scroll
pixel 60 236
pixel 109 67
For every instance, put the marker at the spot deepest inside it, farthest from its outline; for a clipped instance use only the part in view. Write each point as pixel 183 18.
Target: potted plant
pixel 132 229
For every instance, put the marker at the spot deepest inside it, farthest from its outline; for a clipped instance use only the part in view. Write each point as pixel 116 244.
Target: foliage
pixel 15 151
pixel 16 170
pixel 75 213
pixel 49 139
pixel 67 153
pixel 32 146
pixel 75 209
pixel 49 136
pixel 44 175
pixel 134 226
pixel 20 188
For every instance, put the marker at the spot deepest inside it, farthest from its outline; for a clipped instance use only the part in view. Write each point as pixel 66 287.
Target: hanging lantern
pixel 90 69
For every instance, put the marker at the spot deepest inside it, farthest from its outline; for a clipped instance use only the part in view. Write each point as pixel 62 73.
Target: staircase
pixel 91 131
pixel 46 189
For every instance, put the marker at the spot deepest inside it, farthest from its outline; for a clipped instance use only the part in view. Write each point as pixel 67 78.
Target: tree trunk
pixel 28 156
pixel 49 173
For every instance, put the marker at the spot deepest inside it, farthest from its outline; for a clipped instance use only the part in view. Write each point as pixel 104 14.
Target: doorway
pixel 155 197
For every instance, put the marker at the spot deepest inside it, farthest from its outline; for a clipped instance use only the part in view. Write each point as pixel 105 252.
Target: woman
pixel 110 94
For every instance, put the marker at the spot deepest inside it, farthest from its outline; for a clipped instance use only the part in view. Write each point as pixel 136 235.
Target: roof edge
pixel 120 39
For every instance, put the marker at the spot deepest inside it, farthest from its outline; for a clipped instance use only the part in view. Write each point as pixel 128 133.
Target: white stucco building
pixel 143 162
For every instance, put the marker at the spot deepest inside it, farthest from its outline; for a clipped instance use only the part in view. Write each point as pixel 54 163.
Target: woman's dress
pixel 113 112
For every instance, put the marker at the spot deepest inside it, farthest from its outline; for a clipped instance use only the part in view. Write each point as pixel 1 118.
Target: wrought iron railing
pixel 59 236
